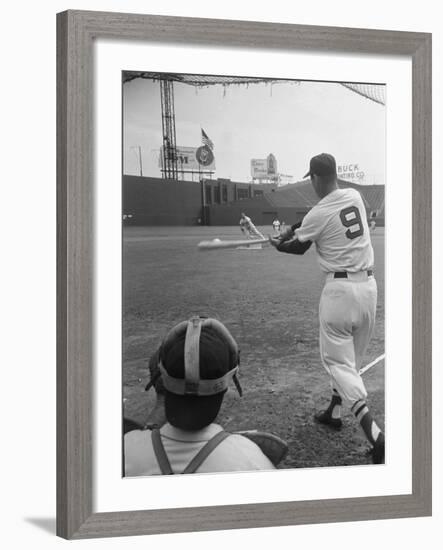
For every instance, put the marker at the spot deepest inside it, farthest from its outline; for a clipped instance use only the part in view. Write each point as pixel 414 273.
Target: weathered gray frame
pixel 76 31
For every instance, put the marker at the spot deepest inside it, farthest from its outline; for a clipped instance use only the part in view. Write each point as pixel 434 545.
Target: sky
pixel 294 121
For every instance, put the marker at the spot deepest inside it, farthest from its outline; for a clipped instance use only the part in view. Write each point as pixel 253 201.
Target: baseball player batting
pixel 248 228
pixel 338 227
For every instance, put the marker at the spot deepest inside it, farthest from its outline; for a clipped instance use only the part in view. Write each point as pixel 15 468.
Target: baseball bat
pixel 372 363
pixel 217 244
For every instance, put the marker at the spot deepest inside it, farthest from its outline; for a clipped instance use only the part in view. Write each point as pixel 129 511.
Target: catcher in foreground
pixel 196 362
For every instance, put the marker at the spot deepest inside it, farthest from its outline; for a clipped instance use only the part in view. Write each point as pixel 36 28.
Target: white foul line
pixel 372 363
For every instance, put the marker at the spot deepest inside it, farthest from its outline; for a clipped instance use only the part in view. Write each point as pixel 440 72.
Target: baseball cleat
pixel 378 450
pixel 325 418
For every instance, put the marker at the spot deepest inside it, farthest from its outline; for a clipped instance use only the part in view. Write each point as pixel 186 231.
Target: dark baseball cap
pixel 322 165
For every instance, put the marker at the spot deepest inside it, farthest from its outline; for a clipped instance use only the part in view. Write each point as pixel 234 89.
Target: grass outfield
pixel 269 301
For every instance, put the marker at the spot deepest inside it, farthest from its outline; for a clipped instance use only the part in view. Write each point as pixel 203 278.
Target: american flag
pixel 206 140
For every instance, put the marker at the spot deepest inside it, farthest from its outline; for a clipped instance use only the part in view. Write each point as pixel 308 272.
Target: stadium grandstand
pixel 292 202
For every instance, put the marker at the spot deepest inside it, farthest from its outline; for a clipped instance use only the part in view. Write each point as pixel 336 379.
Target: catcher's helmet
pixel 198 357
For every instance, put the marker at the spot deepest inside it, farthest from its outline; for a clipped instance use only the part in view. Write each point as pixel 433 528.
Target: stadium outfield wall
pixel 259 210
pixel 163 202
pixel 156 201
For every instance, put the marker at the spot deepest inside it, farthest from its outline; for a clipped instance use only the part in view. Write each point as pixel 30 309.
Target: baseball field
pixel 269 302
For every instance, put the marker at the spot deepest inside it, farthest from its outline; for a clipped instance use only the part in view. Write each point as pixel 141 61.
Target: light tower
pixel 169 151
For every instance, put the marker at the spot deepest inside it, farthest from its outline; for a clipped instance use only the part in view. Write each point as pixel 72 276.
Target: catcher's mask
pixel 204 364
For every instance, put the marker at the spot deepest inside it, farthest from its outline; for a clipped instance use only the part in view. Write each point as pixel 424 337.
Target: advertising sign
pixel 272 165
pixel 259 168
pixel 264 168
pixel 192 159
pixel 204 156
pixel 350 172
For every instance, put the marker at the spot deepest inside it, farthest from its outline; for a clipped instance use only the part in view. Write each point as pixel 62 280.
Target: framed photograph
pixel 198 161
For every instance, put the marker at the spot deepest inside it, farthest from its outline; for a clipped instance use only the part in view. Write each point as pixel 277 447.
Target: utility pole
pixel 139 148
pixel 140 160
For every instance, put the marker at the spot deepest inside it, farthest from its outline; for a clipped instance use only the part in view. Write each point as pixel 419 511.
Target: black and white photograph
pixel 218 223
pixel 253 232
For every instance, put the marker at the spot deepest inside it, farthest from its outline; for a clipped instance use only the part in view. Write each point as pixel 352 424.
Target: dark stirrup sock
pixel 368 424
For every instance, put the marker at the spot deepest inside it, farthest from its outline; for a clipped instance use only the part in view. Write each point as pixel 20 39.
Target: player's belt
pixel 344 274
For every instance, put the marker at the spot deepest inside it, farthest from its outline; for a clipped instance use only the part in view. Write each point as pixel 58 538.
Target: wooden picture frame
pixel 76 32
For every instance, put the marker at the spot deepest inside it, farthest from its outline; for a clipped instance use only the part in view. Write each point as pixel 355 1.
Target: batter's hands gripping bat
pixel 217 244
pixel 288 233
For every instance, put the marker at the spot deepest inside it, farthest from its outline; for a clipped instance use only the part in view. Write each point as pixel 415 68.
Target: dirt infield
pixel 269 302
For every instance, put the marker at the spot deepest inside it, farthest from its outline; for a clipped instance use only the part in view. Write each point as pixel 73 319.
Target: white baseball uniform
pixel 249 228
pixel 235 453
pixel 338 227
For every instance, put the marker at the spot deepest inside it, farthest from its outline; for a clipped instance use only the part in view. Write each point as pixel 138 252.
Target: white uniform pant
pixel 254 233
pixel 347 320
